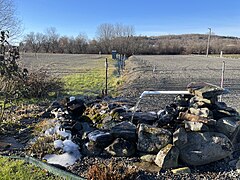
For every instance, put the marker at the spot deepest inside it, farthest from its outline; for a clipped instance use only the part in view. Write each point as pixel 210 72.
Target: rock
pixel 91 149
pixel 202 112
pixel 125 130
pixel 194 118
pixel 167 157
pixel 148 167
pixel 152 139
pixel 118 110
pixel 221 113
pixel 180 137
pixel 148 158
pixel 181 170
pixel 121 147
pixel 238 166
pixel 204 148
pixel 196 126
pixel 140 117
pixel 76 108
pixel 102 139
pixel 167 115
pixel 205 90
pixel 227 125
pixel 77 127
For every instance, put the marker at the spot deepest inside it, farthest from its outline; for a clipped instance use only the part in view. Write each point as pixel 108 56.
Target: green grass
pixel 19 170
pixel 93 81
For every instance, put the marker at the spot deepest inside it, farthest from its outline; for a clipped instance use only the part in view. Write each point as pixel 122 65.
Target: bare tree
pixel 8 19
pixel 34 41
pixel 51 39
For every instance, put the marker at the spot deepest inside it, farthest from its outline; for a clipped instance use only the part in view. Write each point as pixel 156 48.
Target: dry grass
pixel 111 171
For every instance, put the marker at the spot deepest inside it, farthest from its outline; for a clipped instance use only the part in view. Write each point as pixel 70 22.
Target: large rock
pixel 148 158
pixel 203 112
pixel 205 90
pixel 125 130
pixel 140 117
pixel 227 125
pixel 152 139
pixel 195 126
pixel 204 148
pixel 121 147
pixel 167 157
pixel 102 139
pixel 180 137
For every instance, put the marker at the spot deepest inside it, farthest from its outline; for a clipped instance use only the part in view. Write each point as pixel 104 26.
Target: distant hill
pixel 189 44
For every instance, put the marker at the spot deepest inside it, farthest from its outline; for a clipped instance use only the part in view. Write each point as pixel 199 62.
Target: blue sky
pixel 149 17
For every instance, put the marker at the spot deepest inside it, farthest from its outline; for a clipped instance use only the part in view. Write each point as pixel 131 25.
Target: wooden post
pixel 106 85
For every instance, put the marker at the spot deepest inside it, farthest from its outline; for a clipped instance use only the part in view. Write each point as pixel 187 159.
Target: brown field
pixel 176 72
pixel 171 73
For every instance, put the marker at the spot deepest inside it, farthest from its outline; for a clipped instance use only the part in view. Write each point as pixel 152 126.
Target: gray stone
pixel 148 167
pixel 148 158
pixel 196 126
pixel 227 125
pixel 228 112
pixel 91 149
pixel 203 112
pixel 204 148
pixel 180 137
pixel 140 117
pixel 205 90
pixel 238 166
pixel 126 130
pixel 152 139
pixel 102 139
pixel 167 157
pixel 121 147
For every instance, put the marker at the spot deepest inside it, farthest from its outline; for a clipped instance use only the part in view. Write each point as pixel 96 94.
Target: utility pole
pixel 208 43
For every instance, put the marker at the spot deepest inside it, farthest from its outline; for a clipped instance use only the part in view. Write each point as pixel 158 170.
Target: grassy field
pixel 81 74
pixel 19 170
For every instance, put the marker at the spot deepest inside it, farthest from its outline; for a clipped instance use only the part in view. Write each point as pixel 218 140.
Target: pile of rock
pixel 196 129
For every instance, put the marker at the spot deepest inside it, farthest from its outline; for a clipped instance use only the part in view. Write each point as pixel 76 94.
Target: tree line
pixel 121 38
pixel 112 37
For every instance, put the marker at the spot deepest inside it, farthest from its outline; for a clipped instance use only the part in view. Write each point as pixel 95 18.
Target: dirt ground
pixel 175 73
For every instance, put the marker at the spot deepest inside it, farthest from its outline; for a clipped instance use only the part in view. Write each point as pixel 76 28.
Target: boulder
pixel 76 108
pixel 91 149
pixel 125 130
pixel 227 125
pixel 180 137
pixel 148 167
pixel 152 139
pixel 204 148
pixel 140 117
pixel 202 112
pixel 167 157
pixel 121 147
pixel 195 126
pixel 148 158
pixel 102 139
pixel 205 90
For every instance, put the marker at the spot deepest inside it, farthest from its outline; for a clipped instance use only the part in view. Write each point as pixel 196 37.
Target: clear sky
pixel 149 17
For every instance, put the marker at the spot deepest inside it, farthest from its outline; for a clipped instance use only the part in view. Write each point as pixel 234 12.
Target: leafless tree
pixel 34 41
pixel 8 19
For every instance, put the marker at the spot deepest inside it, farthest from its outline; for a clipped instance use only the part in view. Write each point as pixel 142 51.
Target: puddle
pixel 9 143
